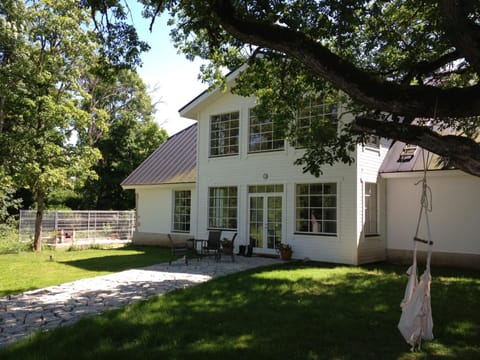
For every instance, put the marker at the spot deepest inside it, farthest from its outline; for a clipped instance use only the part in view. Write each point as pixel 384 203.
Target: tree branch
pixel 415 101
pixel 463 152
pixel 463 33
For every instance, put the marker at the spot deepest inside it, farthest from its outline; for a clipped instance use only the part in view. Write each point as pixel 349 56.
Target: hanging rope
pixel 416 321
pixel 425 202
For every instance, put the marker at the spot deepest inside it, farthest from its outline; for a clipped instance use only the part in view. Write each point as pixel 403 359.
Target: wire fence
pixel 79 227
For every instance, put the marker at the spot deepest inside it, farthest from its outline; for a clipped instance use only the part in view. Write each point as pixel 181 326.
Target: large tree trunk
pixel 37 240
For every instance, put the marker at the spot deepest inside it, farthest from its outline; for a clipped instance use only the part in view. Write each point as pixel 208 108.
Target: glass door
pixel 265 220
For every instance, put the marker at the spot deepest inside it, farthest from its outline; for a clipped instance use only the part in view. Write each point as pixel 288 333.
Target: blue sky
pixel 173 76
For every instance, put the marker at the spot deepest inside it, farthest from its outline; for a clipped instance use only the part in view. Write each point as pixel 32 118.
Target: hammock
pixel 416 321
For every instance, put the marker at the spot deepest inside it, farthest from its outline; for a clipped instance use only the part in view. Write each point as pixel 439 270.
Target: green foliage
pixel 129 137
pixel 65 83
pixel 9 243
pixel 8 202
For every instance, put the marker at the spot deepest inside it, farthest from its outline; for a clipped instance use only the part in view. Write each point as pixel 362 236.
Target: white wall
pixel 248 169
pixel 369 160
pixel 155 207
pixel 454 221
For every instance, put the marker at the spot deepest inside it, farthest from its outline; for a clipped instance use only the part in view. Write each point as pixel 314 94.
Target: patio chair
pixel 212 245
pixel 178 249
pixel 228 247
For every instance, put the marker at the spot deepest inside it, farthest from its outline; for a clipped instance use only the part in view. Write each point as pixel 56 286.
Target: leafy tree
pixel 47 45
pixel 8 202
pixel 397 60
pixel 132 135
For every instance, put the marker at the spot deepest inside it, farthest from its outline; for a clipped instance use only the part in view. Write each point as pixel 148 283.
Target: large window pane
pixel 318 110
pixel 371 216
pixel 262 135
pixel 222 207
pixel 224 131
pixel 181 211
pixel 316 208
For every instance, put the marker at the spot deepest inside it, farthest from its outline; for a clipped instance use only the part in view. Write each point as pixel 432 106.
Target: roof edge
pixel 187 110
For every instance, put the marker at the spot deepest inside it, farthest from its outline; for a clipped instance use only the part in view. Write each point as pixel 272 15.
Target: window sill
pixel 221 156
pixel 314 234
pixel 220 229
pixel 372 235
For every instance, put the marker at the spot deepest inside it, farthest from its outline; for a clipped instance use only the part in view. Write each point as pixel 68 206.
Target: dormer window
pixel 407 154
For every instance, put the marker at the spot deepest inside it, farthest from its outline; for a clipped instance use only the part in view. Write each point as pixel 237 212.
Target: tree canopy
pixel 63 88
pixel 398 61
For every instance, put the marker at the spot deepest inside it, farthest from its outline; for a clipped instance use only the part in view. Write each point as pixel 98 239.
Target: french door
pixel 265 221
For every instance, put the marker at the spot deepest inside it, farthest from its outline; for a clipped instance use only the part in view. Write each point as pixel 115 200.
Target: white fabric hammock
pixel 416 323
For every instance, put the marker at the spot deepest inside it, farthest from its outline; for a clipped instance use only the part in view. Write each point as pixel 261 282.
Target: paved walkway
pixel 62 305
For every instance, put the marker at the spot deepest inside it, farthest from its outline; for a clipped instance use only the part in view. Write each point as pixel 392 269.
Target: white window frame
pixel 223 207
pixel 320 211
pixel 370 209
pixel 224 136
pixel 264 139
pixel 185 211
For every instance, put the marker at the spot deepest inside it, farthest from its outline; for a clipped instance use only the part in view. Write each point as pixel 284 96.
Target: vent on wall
pixel 407 154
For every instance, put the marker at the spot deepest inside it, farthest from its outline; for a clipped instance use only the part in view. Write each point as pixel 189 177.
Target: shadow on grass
pixel 284 312
pixel 146 256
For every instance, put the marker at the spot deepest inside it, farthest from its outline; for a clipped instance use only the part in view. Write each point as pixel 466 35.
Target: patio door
pixel 265 221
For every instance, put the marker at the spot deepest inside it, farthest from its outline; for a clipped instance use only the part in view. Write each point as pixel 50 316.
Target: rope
pixel 425 207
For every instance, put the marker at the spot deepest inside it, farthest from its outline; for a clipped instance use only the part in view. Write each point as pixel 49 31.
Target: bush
pixel 9 243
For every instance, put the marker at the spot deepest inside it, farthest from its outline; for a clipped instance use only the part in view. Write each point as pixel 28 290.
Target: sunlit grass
pixel 32 270
pixel 295 311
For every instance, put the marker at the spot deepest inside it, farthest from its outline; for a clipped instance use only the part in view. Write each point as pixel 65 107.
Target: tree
pixel 397 60
pixel 129 136
pixel 48 44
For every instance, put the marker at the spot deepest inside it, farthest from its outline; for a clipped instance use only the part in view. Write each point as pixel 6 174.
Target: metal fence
pixel 79 227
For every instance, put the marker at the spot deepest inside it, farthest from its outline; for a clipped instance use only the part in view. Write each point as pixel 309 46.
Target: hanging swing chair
pixel 416 323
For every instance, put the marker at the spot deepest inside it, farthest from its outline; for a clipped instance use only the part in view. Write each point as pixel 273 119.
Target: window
pixel 224 131
pixel 316 208
pixel 316 112
pixel 371 226
pixel 222 207
pixel 262 135
pixel 373 141
pixel 181 211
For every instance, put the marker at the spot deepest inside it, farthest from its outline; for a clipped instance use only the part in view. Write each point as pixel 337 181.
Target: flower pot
pixel 285 254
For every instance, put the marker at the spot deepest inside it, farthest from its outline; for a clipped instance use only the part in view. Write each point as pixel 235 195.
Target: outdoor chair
pixel 178 249
pixel 212 245
pixel 227 248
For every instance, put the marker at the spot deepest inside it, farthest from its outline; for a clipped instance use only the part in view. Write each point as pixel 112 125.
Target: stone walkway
pixel 64 304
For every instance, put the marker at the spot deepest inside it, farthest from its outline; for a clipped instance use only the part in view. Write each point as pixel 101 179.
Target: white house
pixel 228 172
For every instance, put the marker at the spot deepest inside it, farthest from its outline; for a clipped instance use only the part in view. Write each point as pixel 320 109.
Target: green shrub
pixel 9 243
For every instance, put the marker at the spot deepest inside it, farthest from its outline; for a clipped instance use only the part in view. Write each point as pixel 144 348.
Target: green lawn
pixel 29 270
pixel 294 311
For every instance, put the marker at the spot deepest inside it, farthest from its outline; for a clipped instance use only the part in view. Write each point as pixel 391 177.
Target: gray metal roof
pixel 173 162
pixel 401 158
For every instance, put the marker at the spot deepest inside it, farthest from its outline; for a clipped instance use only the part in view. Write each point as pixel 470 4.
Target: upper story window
pixel 317 110
pixel 262 134
pixel 224 133
pixel 373 141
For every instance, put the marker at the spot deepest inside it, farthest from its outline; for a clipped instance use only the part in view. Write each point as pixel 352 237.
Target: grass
pixel 296 311
pixel 29 270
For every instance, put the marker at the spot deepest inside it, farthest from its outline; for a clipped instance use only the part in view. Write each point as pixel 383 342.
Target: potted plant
pixel 285 251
